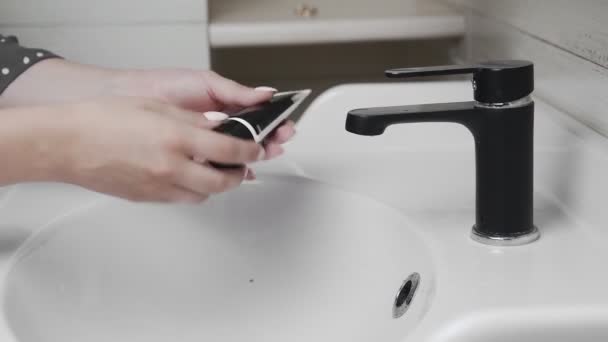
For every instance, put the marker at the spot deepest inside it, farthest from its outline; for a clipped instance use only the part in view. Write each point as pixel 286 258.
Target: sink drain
pixel 405 295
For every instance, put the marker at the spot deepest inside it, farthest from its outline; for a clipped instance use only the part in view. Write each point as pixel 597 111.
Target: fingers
pixel 250 175
pixel 205 144
pixel 230 94
pixel 208 145
pixel 207 120
pixel 221 148
pixel 197 119
pixel 283 133
pixel 274 150
pixel 213 119
pixel 192 118
pixel 205 180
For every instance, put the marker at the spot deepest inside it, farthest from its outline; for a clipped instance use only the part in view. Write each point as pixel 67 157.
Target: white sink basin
pixel 284 259
pixel 551 290
pixel 552 324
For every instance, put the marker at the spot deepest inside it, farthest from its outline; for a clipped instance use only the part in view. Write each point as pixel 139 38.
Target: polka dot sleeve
pixel 16 59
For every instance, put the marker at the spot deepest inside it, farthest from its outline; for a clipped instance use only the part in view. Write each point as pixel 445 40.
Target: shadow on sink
pixel 11 237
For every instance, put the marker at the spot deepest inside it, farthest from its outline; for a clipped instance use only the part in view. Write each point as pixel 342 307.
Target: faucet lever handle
pixel 494 81
pixel 441 70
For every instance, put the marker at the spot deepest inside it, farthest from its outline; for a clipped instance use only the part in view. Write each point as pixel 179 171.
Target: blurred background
pixel 319 43
pixel 287 44
pixel 291 43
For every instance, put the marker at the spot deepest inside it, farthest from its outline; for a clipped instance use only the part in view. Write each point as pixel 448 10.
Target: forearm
pixel 30 144
pixel 36 76
pixel 56 81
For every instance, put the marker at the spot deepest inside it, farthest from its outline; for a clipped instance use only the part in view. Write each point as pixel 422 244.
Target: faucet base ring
pixel 517 240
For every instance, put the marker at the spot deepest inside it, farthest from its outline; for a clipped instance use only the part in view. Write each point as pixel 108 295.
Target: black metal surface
pixel 495 81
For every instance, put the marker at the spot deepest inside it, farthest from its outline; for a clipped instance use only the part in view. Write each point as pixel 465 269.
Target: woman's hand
pixel 135 148
pixel 58 81
pixel 200 91
pixel 142 149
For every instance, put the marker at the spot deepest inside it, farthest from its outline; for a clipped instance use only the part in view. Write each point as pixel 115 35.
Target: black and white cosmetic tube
pixel 258 122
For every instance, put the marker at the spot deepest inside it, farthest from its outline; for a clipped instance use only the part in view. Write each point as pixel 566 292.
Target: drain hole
pixel 405 295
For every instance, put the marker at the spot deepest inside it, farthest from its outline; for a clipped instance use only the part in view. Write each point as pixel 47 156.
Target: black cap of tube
pixel 235 129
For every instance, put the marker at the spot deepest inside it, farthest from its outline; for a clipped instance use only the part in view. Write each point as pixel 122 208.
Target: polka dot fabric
pixel 15 59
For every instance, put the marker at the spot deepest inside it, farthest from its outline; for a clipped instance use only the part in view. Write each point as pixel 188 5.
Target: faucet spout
pixel 373 121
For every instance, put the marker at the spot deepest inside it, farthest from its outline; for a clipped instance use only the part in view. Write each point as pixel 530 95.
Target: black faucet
pixel 501 120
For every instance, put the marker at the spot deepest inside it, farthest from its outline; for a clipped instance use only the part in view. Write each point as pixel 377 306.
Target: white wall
pixel 567 40
pixel 127 33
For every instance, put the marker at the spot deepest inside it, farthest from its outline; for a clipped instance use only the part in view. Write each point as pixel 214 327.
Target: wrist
pixel 34 145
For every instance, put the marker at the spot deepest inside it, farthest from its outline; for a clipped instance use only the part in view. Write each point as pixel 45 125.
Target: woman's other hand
pixel 201 91
pixel 136 148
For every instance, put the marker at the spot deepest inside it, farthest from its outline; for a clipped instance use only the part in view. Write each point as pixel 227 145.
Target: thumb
pixel 231 94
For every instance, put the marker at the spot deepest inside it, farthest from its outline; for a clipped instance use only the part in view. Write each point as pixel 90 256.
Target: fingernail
pixel 264 88
pixel 262 154
pixel 215 116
